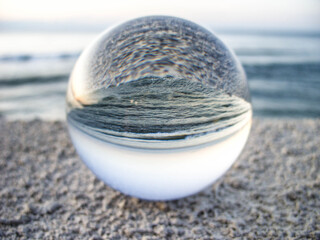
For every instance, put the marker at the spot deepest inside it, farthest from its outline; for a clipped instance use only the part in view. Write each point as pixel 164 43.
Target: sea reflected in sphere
pixel 158 107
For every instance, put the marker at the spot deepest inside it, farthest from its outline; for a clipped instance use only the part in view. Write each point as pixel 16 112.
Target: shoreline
pixel 272 190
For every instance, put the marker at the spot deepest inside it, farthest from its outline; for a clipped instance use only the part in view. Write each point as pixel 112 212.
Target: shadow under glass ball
pixel 158 107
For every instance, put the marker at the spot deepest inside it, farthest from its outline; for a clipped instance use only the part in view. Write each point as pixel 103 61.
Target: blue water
pixel 283 72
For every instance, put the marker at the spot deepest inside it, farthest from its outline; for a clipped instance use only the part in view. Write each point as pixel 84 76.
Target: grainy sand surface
pixel 272 191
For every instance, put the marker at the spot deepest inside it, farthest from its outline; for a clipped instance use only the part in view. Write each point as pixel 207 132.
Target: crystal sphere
pixel 158 107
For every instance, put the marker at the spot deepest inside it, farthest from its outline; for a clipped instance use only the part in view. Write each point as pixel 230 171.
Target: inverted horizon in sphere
pixel 156 46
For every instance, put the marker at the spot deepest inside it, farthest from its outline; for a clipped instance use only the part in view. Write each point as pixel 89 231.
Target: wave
pixel 292 71
pixel 267 52
pixel 32 57
pixel 33 80
pixel 285 112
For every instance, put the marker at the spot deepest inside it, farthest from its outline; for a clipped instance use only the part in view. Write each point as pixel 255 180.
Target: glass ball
pixel 158 107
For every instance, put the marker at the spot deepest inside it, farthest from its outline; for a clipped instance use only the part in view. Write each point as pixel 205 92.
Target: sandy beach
pixel 272 191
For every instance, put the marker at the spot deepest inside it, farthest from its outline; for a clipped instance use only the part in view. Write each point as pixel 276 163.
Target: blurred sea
pixel 283 72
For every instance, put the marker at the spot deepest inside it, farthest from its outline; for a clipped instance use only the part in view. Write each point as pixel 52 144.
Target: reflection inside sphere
pixel 163 84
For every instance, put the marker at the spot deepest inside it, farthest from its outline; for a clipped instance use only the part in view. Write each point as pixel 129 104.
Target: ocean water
pixel 161 113
pixel 283 71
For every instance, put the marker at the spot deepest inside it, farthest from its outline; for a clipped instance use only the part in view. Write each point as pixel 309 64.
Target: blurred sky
pixel 248 14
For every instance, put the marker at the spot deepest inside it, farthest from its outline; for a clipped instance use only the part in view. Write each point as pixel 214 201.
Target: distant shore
pixel 272 191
